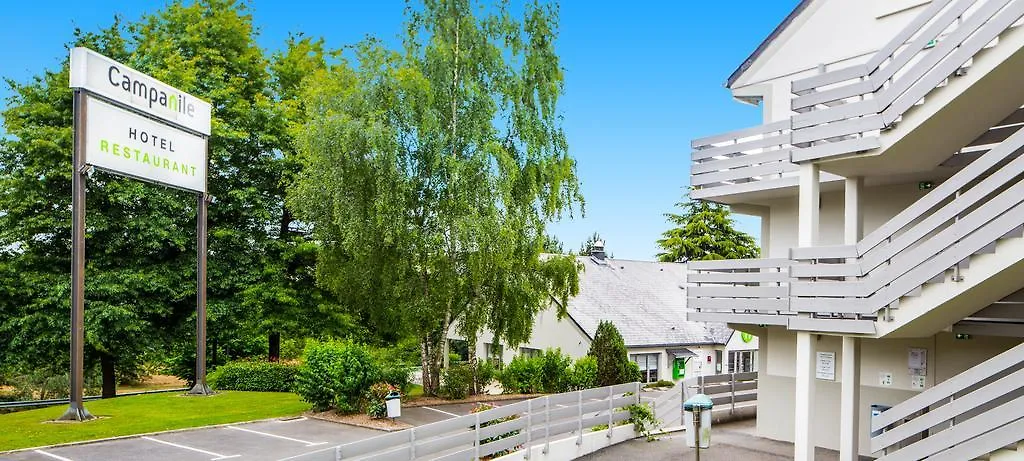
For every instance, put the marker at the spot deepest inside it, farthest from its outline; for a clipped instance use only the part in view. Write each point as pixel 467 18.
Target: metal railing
pixel 513 427
pixel 967 416
pixel 843 112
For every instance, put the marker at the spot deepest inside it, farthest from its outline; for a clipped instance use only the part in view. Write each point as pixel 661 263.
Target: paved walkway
pixel 729 442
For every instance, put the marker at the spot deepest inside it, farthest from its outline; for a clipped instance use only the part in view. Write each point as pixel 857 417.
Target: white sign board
pixel 917 361
pixel 104 76
pixel 825 366
pixel 130 144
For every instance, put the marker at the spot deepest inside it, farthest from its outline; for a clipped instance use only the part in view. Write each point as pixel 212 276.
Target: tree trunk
pixel 425 364
pixel 275 347
pixel 471 345
pixel 109 378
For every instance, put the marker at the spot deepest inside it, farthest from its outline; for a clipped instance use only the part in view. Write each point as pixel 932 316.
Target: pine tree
pixel 704 230
pixel 613 365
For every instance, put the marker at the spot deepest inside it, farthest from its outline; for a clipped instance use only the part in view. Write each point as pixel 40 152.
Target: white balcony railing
pixel 843 112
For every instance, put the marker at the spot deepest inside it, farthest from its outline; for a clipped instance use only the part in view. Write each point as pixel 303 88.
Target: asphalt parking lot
pixel 265 440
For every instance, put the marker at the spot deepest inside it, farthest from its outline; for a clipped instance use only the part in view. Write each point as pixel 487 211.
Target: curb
pixel 318 418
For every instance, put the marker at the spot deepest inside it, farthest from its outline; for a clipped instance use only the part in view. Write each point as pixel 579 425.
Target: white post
pixel 476 445
pixel 579 417
pixel 611 410
pixel 803 436
pixel 849 406
pixel 412 443
pixel 853 211
pixel 529 427
pixel 547 424
pixel 810 199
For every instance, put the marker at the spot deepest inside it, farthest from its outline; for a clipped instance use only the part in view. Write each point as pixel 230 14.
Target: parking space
pixel 266 440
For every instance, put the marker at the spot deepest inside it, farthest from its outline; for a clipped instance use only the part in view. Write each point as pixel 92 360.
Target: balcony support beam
pixel 810 201
pixel 853 211
pixel 849 401
pixel 803 435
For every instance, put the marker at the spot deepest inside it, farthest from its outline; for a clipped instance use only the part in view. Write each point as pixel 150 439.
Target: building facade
pixel 887 177
pixel 646 301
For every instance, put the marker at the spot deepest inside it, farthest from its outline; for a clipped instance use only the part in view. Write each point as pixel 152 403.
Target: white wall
pixel 879 203
pixel 947 357
pixel 837 33
pixel 548 332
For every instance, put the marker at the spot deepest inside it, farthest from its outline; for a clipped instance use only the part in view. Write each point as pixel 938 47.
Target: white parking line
pixel 61 458
pixel 441 411
pixel 308 443
pixel 217 456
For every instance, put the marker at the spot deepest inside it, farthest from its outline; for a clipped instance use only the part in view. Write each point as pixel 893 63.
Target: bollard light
pixel 700 436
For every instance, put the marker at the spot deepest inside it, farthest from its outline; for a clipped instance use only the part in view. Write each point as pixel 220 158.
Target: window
pixel 648 364
pixel 529 352
pixel 742 361
pixel 460 348
pixel 494 353
pixel 718 361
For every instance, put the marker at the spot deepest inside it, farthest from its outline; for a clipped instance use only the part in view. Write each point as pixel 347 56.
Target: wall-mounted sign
pixel 133 145
pixel 917 361
pixel 825 366
pixel 103 76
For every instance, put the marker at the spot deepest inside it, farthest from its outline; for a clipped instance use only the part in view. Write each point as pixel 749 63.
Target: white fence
pixel 732 392
pixel 508 428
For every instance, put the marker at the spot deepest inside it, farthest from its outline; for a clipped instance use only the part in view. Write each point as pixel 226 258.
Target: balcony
pixel 853 112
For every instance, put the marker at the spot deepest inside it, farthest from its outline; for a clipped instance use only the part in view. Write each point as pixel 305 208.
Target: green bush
pixel 244 375
pixel 456 382
pixel 583 374
pixel 613 365
pixel 335 374
pixel 522 375
pixel 554 371
pixel 395 374
pixel 661 383
pixel 376 405
pixel 485 373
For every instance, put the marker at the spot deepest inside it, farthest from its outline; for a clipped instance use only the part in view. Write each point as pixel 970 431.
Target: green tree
pixel 704 230
pixel 613 365
pixel 431 171
pixel 553 246
pixel 140 274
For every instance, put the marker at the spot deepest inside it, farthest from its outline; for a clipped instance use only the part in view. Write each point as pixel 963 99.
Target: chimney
pixel 597 250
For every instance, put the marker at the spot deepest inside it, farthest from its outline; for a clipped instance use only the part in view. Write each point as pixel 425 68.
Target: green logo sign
pixel 746 337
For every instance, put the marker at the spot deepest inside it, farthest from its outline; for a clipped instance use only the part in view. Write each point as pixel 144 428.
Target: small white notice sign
pixel 133 145
pixel 826 366
pixel 917 361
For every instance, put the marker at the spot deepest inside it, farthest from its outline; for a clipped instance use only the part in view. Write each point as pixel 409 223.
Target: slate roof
pixel 645 300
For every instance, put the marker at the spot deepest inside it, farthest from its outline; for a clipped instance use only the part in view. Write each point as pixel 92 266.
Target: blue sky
pixel 641 81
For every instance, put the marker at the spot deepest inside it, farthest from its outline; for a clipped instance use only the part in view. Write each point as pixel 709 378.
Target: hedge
pixel 246 375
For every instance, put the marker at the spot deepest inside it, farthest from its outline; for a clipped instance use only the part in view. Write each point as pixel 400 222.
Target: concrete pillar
pixel 849 401
pixel 810 201
pixel 853 211
pixel 803 436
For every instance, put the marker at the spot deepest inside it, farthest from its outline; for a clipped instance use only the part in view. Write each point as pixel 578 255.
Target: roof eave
pixel 767 41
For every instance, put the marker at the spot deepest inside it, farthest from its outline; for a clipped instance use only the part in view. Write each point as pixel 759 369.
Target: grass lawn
pixel 415 390
pixel 141 414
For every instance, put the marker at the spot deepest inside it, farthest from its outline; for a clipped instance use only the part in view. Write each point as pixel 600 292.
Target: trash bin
pixel 876 410
pixel 699 404
pixel 394 404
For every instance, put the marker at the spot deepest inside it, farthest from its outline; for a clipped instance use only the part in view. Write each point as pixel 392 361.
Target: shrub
pixel 484 407
pixel 661 383
pixel 613 365
pixel 456 382
pixel 583 374
pixel 554 371
pixel 254 375
pixel 642 417
pixel 335 374
pixel 485 373
pixel 376 406
pixel 522 375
